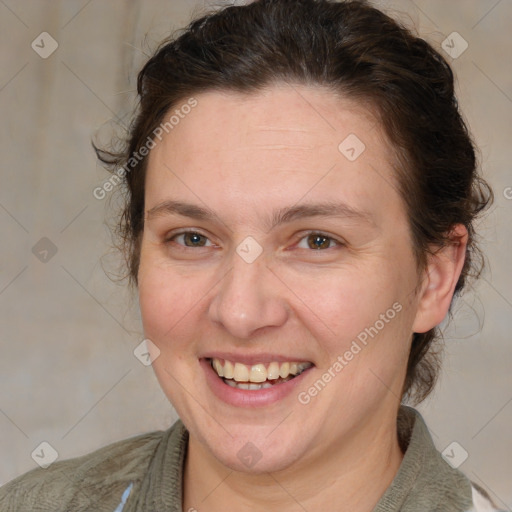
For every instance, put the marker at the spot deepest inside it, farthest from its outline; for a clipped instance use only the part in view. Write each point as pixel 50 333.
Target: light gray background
pixel 68 373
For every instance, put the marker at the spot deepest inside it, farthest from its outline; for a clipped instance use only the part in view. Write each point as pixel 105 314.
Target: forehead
pixel 285 142
pixel 278 113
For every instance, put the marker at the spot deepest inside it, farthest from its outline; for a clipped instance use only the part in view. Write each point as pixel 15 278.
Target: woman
pixel 301 198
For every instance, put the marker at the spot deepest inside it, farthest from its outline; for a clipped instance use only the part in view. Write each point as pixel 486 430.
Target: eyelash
pixel 338 243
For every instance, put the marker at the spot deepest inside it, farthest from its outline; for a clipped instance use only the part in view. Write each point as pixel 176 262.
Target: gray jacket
pixel 144 474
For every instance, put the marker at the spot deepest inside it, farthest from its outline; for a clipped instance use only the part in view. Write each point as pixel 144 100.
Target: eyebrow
pixel 280 216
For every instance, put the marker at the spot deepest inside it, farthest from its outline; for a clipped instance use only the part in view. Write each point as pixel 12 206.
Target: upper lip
pixel 251 359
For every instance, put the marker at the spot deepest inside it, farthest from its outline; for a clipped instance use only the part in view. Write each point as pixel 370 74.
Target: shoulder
pixel 482 502
pixel 82 482
pixel 426 479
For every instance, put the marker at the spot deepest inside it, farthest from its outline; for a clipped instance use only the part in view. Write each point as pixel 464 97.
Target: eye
pixel 189 239
pixel 317 241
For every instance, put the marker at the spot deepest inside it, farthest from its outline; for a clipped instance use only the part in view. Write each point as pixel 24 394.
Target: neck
pixel 341 475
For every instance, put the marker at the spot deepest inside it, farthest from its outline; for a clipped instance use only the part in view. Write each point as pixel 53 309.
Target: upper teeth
pixel 257 372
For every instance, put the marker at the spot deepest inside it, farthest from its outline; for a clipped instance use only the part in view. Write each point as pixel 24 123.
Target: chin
pixel 263 461
pixel 252 450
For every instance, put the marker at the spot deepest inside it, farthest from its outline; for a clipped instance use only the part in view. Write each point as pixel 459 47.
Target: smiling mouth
pixel 256 376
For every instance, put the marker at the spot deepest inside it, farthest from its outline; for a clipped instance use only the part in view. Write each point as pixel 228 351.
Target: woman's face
pixel 300 253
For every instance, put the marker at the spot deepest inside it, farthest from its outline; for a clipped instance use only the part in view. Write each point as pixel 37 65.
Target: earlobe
pixel 440 278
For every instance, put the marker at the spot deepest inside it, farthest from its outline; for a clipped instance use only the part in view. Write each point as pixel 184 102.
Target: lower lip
pixel 249 397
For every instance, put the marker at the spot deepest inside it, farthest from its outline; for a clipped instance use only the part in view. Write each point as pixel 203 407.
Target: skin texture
pixel 245 156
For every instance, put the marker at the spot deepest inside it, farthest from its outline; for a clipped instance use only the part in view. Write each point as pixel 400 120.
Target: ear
pixel 439 280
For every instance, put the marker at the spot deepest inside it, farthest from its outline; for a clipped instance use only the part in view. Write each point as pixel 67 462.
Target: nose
pixel 248 299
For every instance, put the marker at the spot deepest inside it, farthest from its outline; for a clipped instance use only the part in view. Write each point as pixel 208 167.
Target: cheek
pixel 361 317
pixel 362 336
pixel 167 308
pixel 167 301
pixel 343 302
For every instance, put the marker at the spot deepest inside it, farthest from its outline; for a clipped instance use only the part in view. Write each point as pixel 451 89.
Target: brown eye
pixel 190 239
pixel 194 240
pixel 317 241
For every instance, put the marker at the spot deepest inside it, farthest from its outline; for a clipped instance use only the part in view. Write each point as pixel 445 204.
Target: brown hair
pixel 358 52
